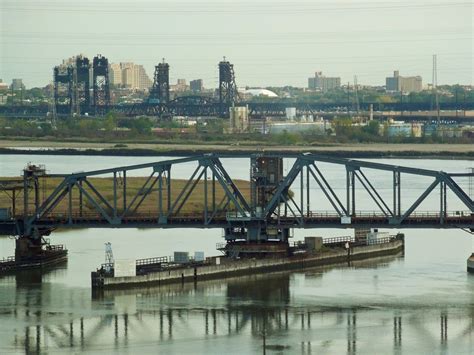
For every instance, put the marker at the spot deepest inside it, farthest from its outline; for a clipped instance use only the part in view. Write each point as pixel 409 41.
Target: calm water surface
pixel 421 303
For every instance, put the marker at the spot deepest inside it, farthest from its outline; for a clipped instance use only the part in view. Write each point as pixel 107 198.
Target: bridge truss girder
pixel 283 210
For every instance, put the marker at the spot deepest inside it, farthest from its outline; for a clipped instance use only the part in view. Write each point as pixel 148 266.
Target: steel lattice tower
pixel 63 93
pixel 83 97
pixel 101 87
pixel 227 87
pixel 160 91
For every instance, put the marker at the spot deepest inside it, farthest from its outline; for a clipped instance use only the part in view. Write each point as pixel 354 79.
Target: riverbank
pixel 363 150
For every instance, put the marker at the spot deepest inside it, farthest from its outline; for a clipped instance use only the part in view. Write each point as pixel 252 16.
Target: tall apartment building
pixel 115 74
pixel 403 83
pixel 196 85
pixel 129 75
pixel 17 84
pixel 323 83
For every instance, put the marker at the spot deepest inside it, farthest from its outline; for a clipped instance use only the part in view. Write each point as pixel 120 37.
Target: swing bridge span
pixel 272 202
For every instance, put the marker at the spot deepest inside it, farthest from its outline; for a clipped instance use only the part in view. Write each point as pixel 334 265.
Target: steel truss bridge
pixel 202 106
pixel 270 201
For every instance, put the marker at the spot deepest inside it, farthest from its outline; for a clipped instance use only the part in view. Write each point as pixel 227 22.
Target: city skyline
pixel 273 45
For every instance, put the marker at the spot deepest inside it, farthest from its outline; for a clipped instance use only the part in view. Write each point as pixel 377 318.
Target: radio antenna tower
pixel 109 257
pixel 356 91
pixel 435 86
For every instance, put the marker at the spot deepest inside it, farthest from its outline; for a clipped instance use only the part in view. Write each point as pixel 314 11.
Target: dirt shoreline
pixel 446 151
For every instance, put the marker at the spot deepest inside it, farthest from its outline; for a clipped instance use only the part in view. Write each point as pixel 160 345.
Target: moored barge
pixel 313 252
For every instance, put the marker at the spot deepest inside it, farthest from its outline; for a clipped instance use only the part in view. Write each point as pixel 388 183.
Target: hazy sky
pixel 269 42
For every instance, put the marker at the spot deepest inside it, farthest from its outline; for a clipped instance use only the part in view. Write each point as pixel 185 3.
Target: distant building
pixel 180 86
pixel 3 86
pixel 115 74
pixel 323 83
pixel 239 119
pixel 403 129
pixel 403 83
pixel 17 84
pixel 196 85
pixel 129 75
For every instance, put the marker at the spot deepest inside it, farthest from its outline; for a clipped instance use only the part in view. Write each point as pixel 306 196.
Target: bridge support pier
pixel 35 253
pixel 27 249
pixel 470 264
pixel 470 260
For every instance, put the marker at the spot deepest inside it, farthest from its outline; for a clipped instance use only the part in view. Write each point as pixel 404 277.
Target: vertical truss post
pixel 396 193
pixel 160 194
pixel 353 193
pixel 350 190
pixel 205 195
pixel 213 191
pixel 115 194
pixel 124 190
pixel 443 202
pixel 302 190
pixel 69 191
pixel 307 191
pixel 80 199
pixel 168 190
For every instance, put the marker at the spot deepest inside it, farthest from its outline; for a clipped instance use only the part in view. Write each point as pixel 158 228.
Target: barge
pixel 313 252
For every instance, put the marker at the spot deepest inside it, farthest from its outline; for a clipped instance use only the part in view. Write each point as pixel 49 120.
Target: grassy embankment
pixel 194 204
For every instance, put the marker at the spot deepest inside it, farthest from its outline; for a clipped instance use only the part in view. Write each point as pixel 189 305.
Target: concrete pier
pixel 470 264
pixel 231 267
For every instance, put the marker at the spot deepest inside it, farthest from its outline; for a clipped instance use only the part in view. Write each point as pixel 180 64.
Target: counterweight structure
pixel 160 91
pixel 101 87
pixel 82 85
pixel 63 89
pixel 227 87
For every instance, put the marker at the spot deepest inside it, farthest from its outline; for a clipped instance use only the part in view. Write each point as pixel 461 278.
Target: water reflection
pixel 237 315
pixel 175 325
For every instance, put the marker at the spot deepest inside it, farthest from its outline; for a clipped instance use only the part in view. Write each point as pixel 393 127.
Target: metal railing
pixel 338 240
pixel 149 261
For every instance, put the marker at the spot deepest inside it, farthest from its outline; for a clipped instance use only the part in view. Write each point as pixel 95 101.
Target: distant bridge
pixel 202 106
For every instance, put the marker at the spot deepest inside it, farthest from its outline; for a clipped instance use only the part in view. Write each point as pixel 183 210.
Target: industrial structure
pixel 261 215
pixel 160 91
pixel 228 93
pixel 72 87
pixel 70 97
pixel 100 85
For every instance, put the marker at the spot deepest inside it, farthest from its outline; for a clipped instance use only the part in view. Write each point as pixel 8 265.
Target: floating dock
pixel 161 271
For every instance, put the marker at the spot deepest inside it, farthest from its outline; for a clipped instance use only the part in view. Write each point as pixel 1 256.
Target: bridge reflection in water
pixel 235 315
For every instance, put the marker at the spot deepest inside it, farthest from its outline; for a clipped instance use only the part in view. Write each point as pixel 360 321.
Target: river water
pixel 422 302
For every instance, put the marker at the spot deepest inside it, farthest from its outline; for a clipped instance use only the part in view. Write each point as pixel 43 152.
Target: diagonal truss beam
pixel 419 200
pixel 373 193
pixel 327 190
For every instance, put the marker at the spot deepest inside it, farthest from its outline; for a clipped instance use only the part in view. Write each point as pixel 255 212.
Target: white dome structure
pixel 260 92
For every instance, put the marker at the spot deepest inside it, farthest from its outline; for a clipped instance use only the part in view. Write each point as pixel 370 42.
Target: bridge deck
pixel 461 219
